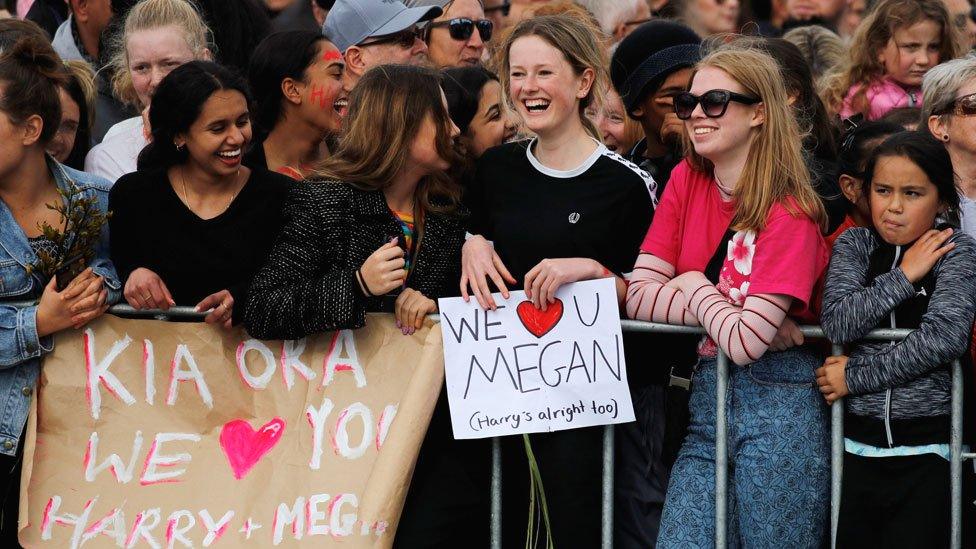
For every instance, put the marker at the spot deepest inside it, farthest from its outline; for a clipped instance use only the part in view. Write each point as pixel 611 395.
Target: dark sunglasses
pixel 713 103
pixel 462 28
pixel 505 7
pixel 404 39
pixel 962 106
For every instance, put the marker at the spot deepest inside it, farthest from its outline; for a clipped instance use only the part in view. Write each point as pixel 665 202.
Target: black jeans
pixel 10 468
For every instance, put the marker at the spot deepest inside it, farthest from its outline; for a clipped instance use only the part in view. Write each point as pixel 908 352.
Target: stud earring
pixel 180 147
pixel 945 137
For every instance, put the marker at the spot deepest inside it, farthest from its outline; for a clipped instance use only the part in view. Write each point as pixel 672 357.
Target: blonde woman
pixel 158 36
pixel 548 211
pixel 736 248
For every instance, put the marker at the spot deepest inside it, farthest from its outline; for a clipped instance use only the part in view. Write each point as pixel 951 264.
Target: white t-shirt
pixel 116 155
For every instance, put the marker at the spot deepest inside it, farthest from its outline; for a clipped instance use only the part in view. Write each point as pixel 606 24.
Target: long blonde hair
pixel 862 65
pixel 387 109
pixel 774 170
pixel 154 14
pixel 576 40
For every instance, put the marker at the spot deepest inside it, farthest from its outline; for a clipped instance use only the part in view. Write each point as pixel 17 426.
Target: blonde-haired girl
pixel 559 208
pixel 736 248
pixel 891 51
pixel 158 36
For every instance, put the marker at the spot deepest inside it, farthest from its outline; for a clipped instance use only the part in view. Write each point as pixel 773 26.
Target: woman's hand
pixel 831 379
pixel 83 300
pixel 222 305
pixel 383 271
pixel 542 282
pixel 411 308
pixel 924 253
pixel 682 281
pixel 479 262
pixel 145 290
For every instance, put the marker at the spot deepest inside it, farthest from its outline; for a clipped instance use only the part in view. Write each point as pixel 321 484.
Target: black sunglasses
pixel 505 7
pixel 461 28
pixel 405 38
pixel 713 102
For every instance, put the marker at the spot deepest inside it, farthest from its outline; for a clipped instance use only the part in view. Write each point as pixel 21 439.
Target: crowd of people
pixel 747 167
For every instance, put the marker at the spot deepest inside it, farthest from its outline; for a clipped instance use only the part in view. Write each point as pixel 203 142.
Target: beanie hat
pixel 648 55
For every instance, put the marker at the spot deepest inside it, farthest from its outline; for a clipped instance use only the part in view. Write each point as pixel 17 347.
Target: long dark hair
pixel 854 153
pixel 238 27
pixel 176 106
pixel 926 152
pixel 387 109
pixel 81 89
pixel 462 88
pixel 281 55
pixel 811 113
pixel 30 74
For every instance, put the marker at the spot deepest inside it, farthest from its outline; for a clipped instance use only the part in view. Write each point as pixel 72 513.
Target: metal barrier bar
pixel 836 459
pixel 721 451
pixel 955 455
pixel 496 493
pixel 608 466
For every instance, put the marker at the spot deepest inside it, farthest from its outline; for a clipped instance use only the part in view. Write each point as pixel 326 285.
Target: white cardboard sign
pixel 522 370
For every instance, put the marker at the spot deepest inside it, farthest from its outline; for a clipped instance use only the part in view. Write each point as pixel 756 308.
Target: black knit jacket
pixel 309 283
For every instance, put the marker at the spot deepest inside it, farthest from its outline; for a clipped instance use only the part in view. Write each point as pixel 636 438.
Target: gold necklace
pixel 186 198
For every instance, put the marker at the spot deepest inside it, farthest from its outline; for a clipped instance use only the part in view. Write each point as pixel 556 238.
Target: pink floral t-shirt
pixel 787 257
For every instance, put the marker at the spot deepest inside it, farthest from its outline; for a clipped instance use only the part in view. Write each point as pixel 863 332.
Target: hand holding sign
pixel 526 370
pixel 545 279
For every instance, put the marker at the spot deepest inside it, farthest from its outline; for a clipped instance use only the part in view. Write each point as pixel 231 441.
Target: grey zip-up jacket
pixel 899 392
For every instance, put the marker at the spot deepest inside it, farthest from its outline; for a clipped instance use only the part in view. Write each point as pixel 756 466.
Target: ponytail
pixel 30 75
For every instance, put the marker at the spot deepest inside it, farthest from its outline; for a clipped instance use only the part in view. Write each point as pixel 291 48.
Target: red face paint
pixel 332 55
pixel 318 95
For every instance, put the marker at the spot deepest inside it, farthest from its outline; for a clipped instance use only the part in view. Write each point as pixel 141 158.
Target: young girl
pixel 902 272
pixel 335 260
pixel 30 180
pixel 891 51
pixel 855 152
pixel 559 208
pixel 192 225
pixel 736 247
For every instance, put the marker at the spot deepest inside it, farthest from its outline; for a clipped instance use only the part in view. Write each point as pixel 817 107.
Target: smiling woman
pixel 193 225
pixel 158 36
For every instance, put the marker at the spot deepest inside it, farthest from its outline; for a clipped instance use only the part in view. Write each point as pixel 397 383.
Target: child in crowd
pixel 736 248
pixel 901 272
pixel 858 143
pixel 619 132
pixel 891 51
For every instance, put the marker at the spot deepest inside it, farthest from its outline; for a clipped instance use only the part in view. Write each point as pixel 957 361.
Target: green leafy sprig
pixel 82 221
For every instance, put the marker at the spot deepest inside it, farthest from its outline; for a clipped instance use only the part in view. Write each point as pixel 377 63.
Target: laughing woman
pixel 192 225
pixel 559 208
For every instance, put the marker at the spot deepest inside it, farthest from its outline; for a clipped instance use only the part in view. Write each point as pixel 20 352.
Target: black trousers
pixel 895 502
pixel 448 501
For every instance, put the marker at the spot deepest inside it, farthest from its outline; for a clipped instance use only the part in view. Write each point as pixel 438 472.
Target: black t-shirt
pixel 600 210
pixel 152 228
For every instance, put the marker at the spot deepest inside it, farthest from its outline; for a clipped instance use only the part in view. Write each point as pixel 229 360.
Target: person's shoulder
pixel 85 180
pixel 140 182
pixel 269 181
pixel 124 129
pixel 965 246
pixel 624 171
pixel 505 153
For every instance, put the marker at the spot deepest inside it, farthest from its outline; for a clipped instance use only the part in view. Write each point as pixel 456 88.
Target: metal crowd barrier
pixel 957 456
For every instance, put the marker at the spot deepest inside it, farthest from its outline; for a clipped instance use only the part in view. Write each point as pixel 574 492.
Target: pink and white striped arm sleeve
pixel 743 333
pixel 649 299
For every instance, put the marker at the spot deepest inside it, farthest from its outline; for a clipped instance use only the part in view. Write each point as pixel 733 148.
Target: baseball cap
pixel 350 22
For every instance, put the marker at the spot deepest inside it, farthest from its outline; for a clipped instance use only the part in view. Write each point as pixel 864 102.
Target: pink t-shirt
pixel 787 257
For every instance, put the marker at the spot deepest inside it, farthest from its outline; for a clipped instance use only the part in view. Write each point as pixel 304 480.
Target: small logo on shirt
pixel 574 217
pixel 921 292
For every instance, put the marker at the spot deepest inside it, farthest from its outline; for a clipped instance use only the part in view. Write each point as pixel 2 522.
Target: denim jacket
pixel 20 347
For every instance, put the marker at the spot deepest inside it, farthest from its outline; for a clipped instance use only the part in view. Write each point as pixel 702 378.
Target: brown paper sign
pixel 156 434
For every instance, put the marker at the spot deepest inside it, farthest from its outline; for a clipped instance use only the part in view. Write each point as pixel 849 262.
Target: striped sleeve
pixel 649 299
pixel 743 333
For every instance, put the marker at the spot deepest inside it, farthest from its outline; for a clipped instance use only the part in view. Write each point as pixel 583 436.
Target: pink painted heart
pixel 244 446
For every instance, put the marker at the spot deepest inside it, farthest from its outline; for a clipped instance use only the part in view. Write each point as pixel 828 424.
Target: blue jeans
pixel 779 458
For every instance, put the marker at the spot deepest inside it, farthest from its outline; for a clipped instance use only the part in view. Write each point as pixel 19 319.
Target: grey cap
pixel 350 22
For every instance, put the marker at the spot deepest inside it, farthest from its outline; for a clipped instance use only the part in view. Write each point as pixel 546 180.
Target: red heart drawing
pixel 244 446
pixel 537 321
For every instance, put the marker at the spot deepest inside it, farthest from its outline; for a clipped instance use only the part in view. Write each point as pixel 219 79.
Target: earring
pixel 945 137
pixel 180 147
